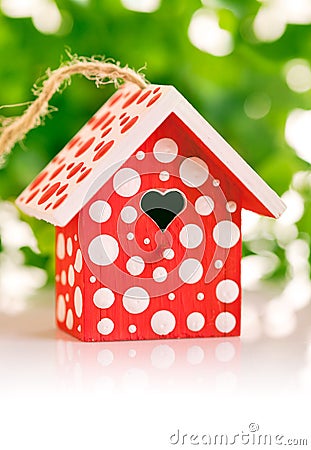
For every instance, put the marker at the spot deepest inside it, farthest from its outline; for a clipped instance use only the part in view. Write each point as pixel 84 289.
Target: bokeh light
pixel 297 132
pixel 17 281
pixel 257 105
pixel 45 15
pixel 206 34
pixel 47 18
pixel 273 16
pixel 269 24
pixel 146 6
pixel 298 75
pixel 20 8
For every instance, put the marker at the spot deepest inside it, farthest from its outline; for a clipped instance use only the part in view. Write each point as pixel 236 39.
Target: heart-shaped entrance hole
pixel 162 208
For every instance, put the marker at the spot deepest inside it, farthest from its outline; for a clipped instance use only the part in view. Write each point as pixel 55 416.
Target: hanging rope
pixel 99 71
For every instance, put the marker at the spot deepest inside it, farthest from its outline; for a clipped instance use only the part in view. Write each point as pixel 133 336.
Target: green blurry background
pixel 243 64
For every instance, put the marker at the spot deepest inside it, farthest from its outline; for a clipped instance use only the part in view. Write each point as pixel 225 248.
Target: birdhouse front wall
pixel 156 251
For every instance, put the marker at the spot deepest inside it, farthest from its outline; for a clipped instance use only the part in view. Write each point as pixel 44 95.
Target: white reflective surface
pixel 137 394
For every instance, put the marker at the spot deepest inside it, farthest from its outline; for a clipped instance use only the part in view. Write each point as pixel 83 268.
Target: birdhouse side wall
pixel 70 282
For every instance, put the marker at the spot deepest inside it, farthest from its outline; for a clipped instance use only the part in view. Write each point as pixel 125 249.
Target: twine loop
pixel 100 71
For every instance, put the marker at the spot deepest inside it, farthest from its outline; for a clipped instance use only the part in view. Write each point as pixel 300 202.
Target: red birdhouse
pixel 147 200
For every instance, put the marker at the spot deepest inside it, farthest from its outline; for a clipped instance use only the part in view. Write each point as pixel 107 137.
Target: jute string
pixel 100 71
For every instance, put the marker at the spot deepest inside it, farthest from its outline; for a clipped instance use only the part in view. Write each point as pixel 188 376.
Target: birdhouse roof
pixel 110 137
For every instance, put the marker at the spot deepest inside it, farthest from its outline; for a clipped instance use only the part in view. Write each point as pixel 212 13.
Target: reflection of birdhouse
pixel 147 200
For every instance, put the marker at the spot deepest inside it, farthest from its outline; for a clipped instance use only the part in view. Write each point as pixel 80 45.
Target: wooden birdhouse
pixel 147 200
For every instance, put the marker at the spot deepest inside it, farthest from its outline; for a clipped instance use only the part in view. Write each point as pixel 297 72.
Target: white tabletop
pixel 57 392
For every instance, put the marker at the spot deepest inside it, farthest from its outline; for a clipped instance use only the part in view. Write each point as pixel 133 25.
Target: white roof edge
pixel 32 212
pixel 127 145
pixel 171 102
pixel 229 157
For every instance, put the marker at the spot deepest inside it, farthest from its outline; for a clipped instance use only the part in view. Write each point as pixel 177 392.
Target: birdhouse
pixel 146 200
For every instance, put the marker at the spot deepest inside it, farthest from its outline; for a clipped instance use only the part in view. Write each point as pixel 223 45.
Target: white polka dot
pixel 69 246
pixel 159 274
pixel 225 322
pixel 60 247
pixel 163 322
pixel 165 150
pixel 130 236
pixel 195 321
pixel 164 175
pixel 67 297
pixel 231 207
pixel 135 265
pixel 227 291
pixel 126 182
pixel 100 211
pixel 103 250
pixel 140 155
pixel 168 253
pixel 63 277
pixel 193 172
pixel 162 356
pixel 78 261
pixel 225 352
pixel 132 353
pixel 92 279
pixel 79 328
pixel 195 355
pixel 171 296
pixel 136 300
pixel 105 326
pixel 78 301
pixel 190 271
pixel 75 237
pixel 57 278
pixel 146 241
pixel 191 236
pixel 216 183
pixel 105 357
pixel 132 328
pixel 103 298
pixel 128 214
pixel 218 264
pixel 69 319
pixel 204 205
pixel 61 308
pixel 200 296
pixel 71 276
pixel 226 234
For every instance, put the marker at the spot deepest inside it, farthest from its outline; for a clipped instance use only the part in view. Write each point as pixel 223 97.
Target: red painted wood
pixel 116 277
